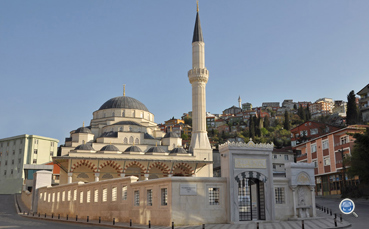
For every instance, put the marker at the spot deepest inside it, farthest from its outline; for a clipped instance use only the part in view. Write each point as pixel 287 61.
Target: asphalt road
pixel 361 208
pixel 10 219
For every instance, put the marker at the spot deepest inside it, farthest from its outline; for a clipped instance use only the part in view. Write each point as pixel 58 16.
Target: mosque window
pixel 104 115
pixel 137 141
pixel 124 114
pixel 53 198
pixel 69 195
pixel 164 196
pixel 213 196
pixel 105 195
pixel 142 115
pixel 121 129
pixel 34 161
pixel 137 198
pixel 58 197
pixel 96 196
pixel 83 141
pixel 131 140
pixel 88 196
pixel 149 197
pixel 113 114
pixel 74 194
pixel 124 193
pixel 125 141
pixel 63 196
pixel 81 197
pixel 114 194
pixel 279 195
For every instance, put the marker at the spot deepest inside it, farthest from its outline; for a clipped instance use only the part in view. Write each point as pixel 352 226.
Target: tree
pixel 295 106
pixel 252 127
pixel 307 112
pixel 301 113
pixel 188 120
pixel 184 136
pixel 351 113
pixel 286 124
pixel 360 157
pixel 266 122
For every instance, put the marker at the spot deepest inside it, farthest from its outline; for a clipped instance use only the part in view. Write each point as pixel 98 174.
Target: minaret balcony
pixel 198 74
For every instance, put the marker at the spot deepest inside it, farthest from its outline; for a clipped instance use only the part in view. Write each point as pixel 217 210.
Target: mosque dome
pixel 133 149
pixel 124 102
pixel 109 148
pixel 83 130
pixel 178 150
pixel 84 147
pixel 171 135
pixel 155 149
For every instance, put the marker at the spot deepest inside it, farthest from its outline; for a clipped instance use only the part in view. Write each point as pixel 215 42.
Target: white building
pixel 17 151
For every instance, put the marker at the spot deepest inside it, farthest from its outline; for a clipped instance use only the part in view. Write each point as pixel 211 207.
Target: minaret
pixel 198 77
pixel 239 101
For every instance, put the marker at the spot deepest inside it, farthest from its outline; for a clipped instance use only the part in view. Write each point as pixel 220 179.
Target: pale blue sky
pixel 61 60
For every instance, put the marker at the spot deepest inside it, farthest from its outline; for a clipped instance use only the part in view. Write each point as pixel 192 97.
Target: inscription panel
pixel 242 163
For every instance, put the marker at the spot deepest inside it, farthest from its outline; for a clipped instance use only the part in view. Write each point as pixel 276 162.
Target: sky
pixel 61 60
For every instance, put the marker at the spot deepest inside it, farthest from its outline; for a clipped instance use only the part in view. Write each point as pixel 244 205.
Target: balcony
pixel 301 157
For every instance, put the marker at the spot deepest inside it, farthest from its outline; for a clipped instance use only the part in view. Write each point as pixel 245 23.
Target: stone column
pixel 294 200
pixel 97 176
pixel 70 179
pixel 147 176
pixel 312 189
pixel 122 175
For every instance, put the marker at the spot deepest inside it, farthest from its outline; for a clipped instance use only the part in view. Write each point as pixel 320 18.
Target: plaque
pixel 243 163
pixel 188 190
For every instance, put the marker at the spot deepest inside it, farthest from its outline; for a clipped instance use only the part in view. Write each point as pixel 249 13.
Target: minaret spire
pixel 124 90
pixel 197 33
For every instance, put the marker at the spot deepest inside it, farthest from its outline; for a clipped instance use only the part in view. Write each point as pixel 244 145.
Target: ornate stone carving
pixel 249 145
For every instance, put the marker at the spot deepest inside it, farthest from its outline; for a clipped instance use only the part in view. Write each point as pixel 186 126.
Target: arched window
pixel 130 140
pixel 113 114
pixel 142 114
pixel 125 141
pixel 104 115
pixel 124 114
pixel 137 141
pixel 133 114
pixel 83 141
pixel 121 129
pixel 174 145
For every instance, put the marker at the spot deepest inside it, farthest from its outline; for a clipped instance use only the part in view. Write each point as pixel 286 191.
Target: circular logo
pixel 347 206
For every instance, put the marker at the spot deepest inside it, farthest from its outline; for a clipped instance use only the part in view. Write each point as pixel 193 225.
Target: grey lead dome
pixel 124 102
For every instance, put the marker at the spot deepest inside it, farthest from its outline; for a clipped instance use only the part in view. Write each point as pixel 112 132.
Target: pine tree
pixel 286 123
pixel 308 114
pixel 351 113
pixel 252 127
pixel 266 122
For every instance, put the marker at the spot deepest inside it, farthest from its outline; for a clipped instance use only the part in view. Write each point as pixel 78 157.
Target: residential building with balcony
pixel 340 108
pixel 270 104
pixel 303 104
pixel 323 106
pixel 364 103
pixel 288 103
pixel 309 130
pixel 17 152
pixel 326 152
pixel 232 110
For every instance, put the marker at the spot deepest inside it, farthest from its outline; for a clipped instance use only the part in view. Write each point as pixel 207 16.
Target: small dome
pixel 155 149
pixel 84 147
pixel 133 149
pixel 178 150
pixel 83 130
pixel 124 102
pixel 109 148
pixel 171 135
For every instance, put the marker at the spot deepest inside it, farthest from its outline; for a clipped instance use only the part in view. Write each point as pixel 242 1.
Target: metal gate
pixel 251 199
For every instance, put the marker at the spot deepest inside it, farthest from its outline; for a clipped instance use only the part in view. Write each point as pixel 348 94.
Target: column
pixel 70 179
pixel 147 176
pixel 312 189
pixel 97 175
pixel 294 200
pixel 170 174
pixel 122 175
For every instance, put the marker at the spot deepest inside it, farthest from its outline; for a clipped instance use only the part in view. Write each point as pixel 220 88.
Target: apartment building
pixel 326 152
pixel 323 106
pixel 17 151
pixel 364 103
pixel 309 130
pixel 281 156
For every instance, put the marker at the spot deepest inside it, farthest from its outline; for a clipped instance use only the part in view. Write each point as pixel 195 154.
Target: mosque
pixel 123 166
pixel 123 139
